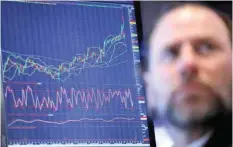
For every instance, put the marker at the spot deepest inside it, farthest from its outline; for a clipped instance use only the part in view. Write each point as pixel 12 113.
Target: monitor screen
pixel 69 75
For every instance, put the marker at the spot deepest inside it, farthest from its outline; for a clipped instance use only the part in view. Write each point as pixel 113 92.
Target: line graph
pixel 85 97
pixel 68 121
pixel 20 64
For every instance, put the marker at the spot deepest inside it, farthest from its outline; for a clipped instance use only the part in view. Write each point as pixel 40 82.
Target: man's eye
pixel 170 54
pixel 204 48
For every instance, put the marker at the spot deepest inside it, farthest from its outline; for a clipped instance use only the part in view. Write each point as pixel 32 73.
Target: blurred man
pixel 189 76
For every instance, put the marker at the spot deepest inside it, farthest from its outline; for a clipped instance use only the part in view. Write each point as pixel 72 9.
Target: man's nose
pixel 187 63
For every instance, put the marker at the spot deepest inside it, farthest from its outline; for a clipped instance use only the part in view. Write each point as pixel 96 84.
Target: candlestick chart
pixel 68 74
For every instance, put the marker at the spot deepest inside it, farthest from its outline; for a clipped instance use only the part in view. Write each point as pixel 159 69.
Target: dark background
pixel 148 13
pixel 152 10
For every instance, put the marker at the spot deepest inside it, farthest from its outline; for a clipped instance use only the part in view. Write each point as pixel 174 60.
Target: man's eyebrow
pixel 172 45
pixel 209 39
pixel 201 39
pixel 204 38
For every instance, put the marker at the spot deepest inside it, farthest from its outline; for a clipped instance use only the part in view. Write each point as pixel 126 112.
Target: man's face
pixel 190 66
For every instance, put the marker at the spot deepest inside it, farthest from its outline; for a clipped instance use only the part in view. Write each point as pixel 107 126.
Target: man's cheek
pixel 221 79
pixel 225 90
pixel 162 77
pixel 221 85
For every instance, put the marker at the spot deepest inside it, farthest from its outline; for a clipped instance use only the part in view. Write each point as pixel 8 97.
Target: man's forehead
pixel 188 22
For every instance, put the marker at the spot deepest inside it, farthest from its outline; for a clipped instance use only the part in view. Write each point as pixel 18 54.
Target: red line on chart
pixel 146 139
pixel 141 98
pixel 70 97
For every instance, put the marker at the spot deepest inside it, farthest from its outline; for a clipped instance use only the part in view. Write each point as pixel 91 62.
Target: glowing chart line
pixel 67 121
pixel 87 97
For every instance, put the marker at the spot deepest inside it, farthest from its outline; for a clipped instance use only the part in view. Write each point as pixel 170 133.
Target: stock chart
pixel 69 72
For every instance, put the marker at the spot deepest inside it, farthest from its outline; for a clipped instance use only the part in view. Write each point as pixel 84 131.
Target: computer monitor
pixel 70 77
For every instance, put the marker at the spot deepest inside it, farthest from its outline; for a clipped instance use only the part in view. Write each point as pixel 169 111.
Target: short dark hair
pixel 144 46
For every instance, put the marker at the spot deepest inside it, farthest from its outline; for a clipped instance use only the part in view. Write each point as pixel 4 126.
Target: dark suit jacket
pixel 222 134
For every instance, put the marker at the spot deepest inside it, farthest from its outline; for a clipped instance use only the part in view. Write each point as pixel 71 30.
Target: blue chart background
pixel 60 32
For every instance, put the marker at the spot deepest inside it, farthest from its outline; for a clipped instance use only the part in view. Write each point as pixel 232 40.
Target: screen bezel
pixel 150 122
